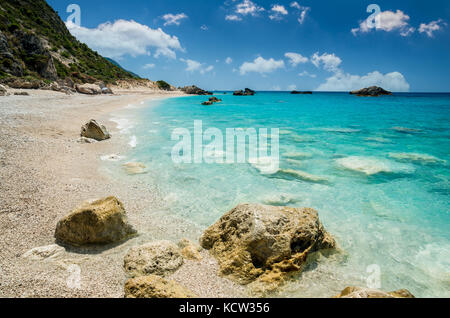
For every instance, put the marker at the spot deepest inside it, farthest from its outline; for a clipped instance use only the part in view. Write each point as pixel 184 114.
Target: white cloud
pixel 261 65
pixel 305 73
pixel 148 66
pixel 228 60
pixel 173 19
pixel 295 58
pixel 340 81
pixel 204 27
pixel 292 87
pixel 303 11
pixel 432 27
pixel 246 7
pixel 278 11
pixel 330 62
pixel 295 5
pixel 387 21
pixel 233 17
pixel 194 66
pixel 276 88
pixel 124 37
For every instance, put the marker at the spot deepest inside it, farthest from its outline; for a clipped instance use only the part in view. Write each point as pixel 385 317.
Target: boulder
pixel 84 140
pixel 88 89
pixel 20 83
pixel 3 90
pixel 190 250
pixel 371 91
pixel 158 258
pixel 194 90
pixel 21 94
pixel 207 103
pixel 99 222
pixel 360 292
pixel 265 243
pixel 246 92
pixel 94 130
pixel 215 100
pixel 153 286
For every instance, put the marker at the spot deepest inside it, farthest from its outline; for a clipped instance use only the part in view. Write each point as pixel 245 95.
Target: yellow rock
pixel 190 250
pixel 153 286
pixel 265 243
pixel 359 292
pixel 100 222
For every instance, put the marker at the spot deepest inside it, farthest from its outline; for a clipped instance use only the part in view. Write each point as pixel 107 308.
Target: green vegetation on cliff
pixel 35 43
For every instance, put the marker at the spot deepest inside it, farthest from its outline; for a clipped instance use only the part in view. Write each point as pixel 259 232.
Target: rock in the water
pixel 44 252
pixel 21 94
pixel 267 243
pixel 158 258
pixel 190 250
pixel 371 91
pixel 246 92
pixel 153 286
pixel 94 130
pixel 359 292
pixel 207 103
pixel 301 93
pixel 100 222
pixel 194 90
pixel 135 168
pixel 88 89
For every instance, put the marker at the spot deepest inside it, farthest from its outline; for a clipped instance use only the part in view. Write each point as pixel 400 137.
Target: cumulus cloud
pixel 295 58
pixel 305 73
pixel 261 65
pixel 173 19
pixel 432 27
pixel 148 66
pixel 387 21
pixel 292 87
pixel 228 60
pixel 330 62
pixel 204 27
pixel 340 81
pixel 244 8
pixel 278 11
pixel 233 17
pixel 194 66
pixel 126 37
pixel 303 11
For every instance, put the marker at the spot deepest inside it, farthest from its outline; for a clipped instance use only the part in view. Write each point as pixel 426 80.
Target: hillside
pixel 36 45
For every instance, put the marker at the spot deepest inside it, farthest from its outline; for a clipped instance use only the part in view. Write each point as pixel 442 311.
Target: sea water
pixel 376 169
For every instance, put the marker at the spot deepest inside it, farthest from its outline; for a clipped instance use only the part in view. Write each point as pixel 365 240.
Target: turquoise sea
pixel 376 169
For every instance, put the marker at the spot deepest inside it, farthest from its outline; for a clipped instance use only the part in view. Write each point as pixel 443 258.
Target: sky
pixel 324 45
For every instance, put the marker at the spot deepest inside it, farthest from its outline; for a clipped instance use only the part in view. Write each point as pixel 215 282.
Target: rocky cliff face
pixel 35 44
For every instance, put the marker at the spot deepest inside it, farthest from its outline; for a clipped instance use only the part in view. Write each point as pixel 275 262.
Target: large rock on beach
pixel 153 286
pixel 156 258
pixel 190 250
pixel 88 89
pixel 99 222
pixel 371 91
pixel 360 292
pixel 265 243
pixel 94 130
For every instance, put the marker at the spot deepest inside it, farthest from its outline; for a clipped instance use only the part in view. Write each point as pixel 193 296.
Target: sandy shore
pixel 45 173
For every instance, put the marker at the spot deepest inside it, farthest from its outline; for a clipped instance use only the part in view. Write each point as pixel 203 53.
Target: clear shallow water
pixel 385 161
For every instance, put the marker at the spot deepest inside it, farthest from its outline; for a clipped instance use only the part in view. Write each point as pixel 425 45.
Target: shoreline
pixel 45 173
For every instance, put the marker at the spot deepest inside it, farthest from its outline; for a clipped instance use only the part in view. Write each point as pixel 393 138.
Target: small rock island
pixel 373 91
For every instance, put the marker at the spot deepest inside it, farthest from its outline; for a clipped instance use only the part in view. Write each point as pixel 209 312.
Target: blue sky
pixel 273 45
